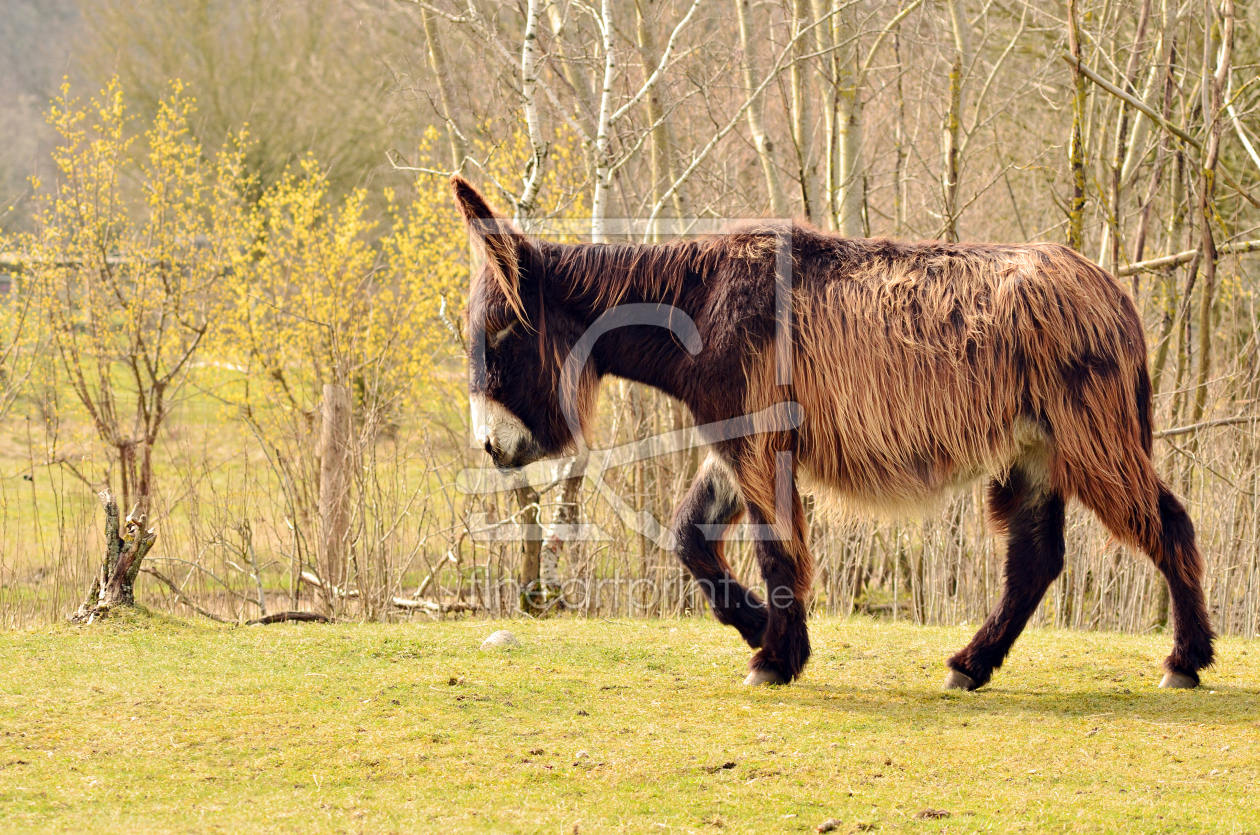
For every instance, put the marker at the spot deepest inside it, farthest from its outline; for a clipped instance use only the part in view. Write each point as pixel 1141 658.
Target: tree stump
pixel 115 584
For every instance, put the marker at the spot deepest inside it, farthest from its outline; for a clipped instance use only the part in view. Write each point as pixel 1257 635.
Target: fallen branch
pixel 283 617
pixel 311 579
pixel 430 606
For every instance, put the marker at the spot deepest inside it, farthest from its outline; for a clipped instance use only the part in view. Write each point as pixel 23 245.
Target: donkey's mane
pixel 611 273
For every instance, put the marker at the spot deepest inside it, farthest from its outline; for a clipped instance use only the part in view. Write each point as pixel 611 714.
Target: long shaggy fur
pixel 925 366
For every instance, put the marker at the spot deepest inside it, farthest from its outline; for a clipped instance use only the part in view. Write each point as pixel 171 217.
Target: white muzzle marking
pixel 493 424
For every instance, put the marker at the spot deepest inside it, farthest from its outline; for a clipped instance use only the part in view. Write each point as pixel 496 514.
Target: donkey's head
pixel 524 407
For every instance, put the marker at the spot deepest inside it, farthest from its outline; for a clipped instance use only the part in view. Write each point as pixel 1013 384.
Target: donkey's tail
pixel 1102 456
pixel 1099 410
pixel 1182 566
pixel 1145 409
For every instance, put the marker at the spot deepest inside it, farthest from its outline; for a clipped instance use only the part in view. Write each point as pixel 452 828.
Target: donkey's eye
pixel 495 337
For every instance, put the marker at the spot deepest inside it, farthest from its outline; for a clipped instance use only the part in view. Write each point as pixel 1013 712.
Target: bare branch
pixel 660 67
pixel 1207 424
pixel 181 597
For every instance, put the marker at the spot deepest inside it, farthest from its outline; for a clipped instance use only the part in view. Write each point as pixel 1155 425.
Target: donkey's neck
pixel 640 304
pixel 649 355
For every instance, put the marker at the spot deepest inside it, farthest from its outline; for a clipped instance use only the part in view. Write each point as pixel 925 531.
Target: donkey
pixel 916 368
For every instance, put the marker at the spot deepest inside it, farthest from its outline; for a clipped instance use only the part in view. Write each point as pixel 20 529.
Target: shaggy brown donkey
pixel 916 367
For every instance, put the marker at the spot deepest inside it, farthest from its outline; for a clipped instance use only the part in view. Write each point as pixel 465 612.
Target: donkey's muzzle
pixel 521 455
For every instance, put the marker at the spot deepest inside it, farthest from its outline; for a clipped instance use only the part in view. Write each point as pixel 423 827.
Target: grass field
pixel 150 724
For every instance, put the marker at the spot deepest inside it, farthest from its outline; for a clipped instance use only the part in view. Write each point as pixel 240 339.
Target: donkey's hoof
pixel 959 681
pixel 759 677
pixel 1179 681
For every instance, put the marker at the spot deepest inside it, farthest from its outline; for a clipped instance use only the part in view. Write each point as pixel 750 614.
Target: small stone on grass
pixel 500 639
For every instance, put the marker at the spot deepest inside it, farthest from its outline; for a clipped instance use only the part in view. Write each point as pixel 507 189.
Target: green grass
pixel 158 725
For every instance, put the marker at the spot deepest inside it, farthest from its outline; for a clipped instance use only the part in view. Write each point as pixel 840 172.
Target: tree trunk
pixel 801 121
pixel 560 538
pixel 756 121
pixel 533 126
pixel 603 161
pixel 1076 149
pixel 958 71
pixel 852 176
pixel 439 65
pixel 656 103
pixel 1109 252
pixel 899 167
pixel 1171 303
pixel 572 76
pixel 1213 107
pixel 532 600
pixel 823 43
pixel 115 584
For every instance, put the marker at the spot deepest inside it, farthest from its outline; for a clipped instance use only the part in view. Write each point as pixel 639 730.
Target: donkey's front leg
pixel 788 570
pixel 712 505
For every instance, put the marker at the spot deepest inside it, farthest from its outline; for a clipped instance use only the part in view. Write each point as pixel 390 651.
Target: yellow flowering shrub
pixel 331 297
pixel 130 245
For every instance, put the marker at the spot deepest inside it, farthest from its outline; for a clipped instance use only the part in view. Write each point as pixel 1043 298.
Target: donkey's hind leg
pixel 711 505
pixel 1167 535
pixel 1182 566
pixel 1033 517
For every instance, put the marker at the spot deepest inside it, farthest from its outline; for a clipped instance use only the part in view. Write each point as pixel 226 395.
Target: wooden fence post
pixel 531 546
pixel 334 489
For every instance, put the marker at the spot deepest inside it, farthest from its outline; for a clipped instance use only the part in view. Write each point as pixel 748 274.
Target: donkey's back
pixel 925 366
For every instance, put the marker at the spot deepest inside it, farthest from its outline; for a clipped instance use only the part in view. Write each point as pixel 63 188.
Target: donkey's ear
pixel 471 204
pixel 499 239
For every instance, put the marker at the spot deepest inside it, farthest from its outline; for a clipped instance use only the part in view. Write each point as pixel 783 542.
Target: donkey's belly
pixel 871 478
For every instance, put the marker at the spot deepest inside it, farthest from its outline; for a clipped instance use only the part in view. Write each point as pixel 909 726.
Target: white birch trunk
pixel 851 173
pixel 527 202
pixel 603 165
